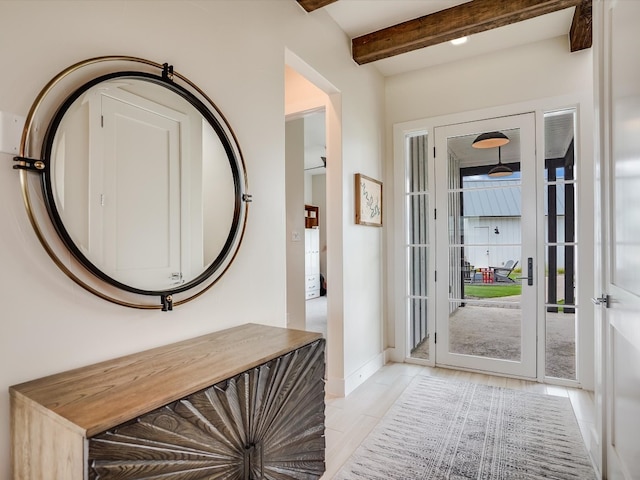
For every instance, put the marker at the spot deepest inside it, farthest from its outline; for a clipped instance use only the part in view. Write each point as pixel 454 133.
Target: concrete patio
pixel 489 330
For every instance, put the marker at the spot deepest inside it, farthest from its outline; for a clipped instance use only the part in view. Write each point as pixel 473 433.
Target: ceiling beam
pixel 311 5
pixel 455 22
pixel 581 33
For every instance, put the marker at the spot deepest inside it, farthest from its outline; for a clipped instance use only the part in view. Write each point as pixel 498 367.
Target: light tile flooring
pixel 349 420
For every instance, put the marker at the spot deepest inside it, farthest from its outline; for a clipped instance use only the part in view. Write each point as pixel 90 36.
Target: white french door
pixel 487 244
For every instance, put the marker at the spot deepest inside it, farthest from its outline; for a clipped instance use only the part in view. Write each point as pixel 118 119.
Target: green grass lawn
pixel 492 291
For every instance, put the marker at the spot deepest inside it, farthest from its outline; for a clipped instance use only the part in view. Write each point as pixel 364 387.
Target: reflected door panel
pixel 141 148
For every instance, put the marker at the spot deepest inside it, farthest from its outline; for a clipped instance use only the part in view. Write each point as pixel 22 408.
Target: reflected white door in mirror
pixel 141 177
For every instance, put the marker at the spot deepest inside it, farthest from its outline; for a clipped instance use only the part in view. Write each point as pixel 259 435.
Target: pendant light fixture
pixel 492 140
pixel 500 170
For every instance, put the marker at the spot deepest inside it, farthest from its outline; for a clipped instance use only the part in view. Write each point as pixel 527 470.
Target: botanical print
pixel 368 201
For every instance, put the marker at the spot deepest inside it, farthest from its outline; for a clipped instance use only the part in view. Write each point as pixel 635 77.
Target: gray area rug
pixel 443 429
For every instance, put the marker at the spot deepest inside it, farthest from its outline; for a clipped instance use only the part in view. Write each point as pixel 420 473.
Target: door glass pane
pixel 485 244
pixel 560 314
pixel 419 219
pixel 419 263
pixel 418 339
pixel 417 172
pixel 418 200
pixel 560 245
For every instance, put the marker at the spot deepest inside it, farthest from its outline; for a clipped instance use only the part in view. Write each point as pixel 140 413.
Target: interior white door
pixel 622 262
pixel 473 329
pixel 142 147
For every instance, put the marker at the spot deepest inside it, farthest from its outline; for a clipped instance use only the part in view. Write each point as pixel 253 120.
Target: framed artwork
pixel 368 201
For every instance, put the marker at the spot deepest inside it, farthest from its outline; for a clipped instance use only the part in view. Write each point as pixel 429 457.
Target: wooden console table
pixel 244 403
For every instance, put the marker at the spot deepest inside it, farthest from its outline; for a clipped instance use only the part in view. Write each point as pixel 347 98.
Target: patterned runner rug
pixel 443 429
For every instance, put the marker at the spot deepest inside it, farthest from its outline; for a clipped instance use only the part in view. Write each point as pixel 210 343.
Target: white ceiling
pixel 359 17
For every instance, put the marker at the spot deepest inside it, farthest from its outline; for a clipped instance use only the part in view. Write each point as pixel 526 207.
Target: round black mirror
pixel 144 182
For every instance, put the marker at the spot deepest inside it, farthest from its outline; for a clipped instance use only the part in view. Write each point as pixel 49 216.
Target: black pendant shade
pixel 490 140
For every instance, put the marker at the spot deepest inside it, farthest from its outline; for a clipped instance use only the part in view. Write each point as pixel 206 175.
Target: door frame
pixel 529 246
pixel 330 98
pixel 397 286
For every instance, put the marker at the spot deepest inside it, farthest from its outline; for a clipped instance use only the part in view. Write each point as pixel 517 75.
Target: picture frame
pixel 368 201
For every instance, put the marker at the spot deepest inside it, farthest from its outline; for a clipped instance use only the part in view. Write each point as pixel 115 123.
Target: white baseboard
pixel 357 378
pixel 341 387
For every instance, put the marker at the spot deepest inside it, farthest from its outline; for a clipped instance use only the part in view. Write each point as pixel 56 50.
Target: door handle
pixel 529 276
pixel 603 300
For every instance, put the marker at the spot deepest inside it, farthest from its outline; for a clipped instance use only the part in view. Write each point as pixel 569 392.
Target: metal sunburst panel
pixel 265 423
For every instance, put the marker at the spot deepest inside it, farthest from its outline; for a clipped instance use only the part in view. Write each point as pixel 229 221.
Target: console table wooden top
pixel 100 396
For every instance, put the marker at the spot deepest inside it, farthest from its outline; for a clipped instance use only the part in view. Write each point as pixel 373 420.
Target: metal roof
pixel 500 198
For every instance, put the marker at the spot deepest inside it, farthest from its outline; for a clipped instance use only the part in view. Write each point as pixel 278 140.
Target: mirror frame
pixel 210 113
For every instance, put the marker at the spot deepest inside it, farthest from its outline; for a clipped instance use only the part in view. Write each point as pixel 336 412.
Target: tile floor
pixel 349 420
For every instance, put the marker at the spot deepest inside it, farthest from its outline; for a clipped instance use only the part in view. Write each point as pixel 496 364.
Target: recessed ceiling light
pixel 459 41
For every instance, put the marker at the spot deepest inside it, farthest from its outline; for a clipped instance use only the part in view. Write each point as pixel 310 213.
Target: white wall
pixel 540 75
pixel 234 50
pixel 539 70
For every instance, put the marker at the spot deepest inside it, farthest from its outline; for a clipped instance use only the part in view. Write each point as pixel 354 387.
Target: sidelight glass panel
pixel 418 245
pixel 560 187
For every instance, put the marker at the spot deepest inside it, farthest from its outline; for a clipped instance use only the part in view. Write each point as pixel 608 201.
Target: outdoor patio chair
pixel 501 274
pixel 468 272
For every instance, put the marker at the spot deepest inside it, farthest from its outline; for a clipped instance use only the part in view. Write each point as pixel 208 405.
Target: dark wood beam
pixel 455 22
pixel 311 5
pixel 581 34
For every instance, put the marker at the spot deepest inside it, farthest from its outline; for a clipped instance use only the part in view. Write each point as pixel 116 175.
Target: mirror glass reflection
pixel 142 184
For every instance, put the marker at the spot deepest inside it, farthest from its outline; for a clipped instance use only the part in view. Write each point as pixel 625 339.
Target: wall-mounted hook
pixel 167 302
pixel 25 163
pixel 167 71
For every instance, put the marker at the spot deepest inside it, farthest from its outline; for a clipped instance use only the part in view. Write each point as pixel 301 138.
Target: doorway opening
pixel 315 199
pixel 306 165
pixel 308 93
